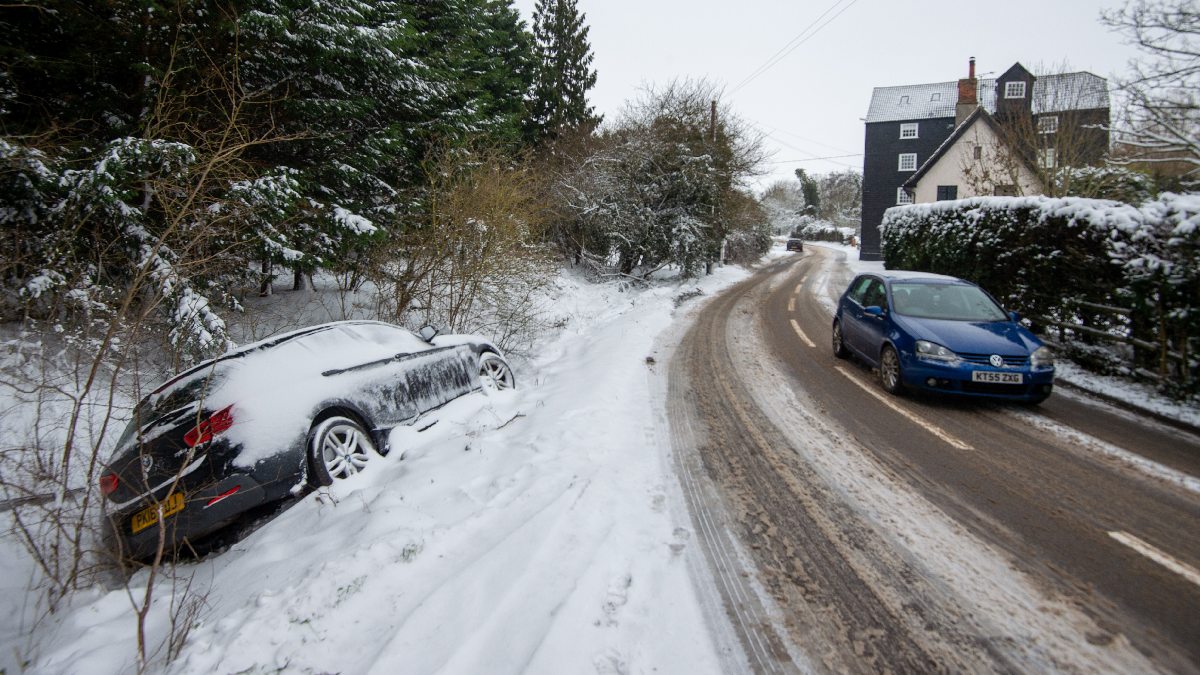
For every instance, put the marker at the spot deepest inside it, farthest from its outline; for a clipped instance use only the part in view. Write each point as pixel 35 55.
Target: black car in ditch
pixel 272 419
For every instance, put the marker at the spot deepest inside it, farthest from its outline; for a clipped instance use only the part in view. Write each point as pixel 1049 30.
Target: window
pixel 902 197
pixel 1047 124
pixel 908 130
pixel 908 161
pixel 1014 90
pixel 1006 191
pixel 904 100
pixel 875 295
pixel 935 97
pixel 978 150
pixel 860 289
pixel 947 192
pixel 1047 159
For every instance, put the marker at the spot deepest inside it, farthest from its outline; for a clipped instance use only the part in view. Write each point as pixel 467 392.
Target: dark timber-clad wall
pixel 881 174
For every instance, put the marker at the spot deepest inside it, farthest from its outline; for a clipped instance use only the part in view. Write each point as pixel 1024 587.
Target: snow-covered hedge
pixel 823 230
pixel 1054 257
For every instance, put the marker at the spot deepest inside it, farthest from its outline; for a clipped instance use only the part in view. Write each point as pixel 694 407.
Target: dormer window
pixel 904 100
pixel 908 130
pixel 935 97
pixel 1014 90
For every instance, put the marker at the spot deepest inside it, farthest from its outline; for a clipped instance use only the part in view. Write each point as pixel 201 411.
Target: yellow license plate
pixel 149 516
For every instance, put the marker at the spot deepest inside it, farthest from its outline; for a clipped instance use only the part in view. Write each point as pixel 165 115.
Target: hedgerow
pixel 1071 263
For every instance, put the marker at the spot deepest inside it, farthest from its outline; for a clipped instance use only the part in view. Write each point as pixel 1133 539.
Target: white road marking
pixel 792 304
pixel 1182 569
pixel 935 430
pixel 797 290
pixel 796 327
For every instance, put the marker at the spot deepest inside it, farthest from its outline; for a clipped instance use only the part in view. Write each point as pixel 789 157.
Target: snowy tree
pixel 812 195
pixel 783 204
pixel 563 73
pixel 1163 87
pixel 840 194
pixel 661 187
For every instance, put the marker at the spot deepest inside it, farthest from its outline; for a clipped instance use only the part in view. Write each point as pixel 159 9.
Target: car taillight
pixel 108 484
pixel 216 423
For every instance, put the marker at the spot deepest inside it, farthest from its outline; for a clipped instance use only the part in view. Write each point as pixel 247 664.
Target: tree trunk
pixel 264 288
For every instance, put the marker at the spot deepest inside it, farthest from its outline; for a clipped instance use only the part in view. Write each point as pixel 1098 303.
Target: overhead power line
pixel 813 159
pixel 794 43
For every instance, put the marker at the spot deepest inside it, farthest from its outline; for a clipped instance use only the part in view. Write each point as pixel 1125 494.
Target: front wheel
pixel 839 345
pixel 890 375
pixel 338 447
pixel 495 373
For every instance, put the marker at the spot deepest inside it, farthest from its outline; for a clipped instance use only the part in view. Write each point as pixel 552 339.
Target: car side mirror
pixel 873 310
pixel 428 333
pixel 1014 316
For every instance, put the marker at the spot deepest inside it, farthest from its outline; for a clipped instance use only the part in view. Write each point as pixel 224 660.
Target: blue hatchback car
pixel 942 334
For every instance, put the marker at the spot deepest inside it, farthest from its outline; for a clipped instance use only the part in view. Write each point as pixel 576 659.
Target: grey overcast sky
pixel 811 102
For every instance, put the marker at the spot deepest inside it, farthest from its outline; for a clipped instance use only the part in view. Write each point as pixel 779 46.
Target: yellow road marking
pixel 1182 569
pixel 935 430
pixel 796 327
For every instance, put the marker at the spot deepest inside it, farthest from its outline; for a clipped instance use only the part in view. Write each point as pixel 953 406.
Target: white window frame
pixel 1014 89
pixel 1048 124
pixel 1047 158
pixel 903 197
pixel 907 161
pixel 909 129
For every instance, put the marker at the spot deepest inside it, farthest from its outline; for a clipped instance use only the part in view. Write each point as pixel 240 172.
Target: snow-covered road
pixel 570 527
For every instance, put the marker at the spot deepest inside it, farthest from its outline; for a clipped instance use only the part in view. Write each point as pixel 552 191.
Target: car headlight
pixel 1042 357
pixel 935 352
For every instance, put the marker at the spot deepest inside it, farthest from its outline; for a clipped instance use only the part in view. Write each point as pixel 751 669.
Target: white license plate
pixel 993 377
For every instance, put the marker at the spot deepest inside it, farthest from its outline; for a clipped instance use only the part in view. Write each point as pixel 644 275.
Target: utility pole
pixel 713 122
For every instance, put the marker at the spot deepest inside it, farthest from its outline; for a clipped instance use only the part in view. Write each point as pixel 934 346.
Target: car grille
pixel 982 359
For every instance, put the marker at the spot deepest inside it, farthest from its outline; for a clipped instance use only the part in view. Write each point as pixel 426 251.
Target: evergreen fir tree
pixel 563 72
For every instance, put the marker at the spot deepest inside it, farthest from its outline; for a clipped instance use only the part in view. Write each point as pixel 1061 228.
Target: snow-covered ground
pixel 529 531
pixel 539 530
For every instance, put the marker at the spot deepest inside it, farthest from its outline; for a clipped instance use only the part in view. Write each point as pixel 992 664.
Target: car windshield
pixel 953 302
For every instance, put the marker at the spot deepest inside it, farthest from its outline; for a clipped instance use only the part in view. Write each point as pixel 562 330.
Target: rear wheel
pixel 890 375
pixel 338 447
pixel 839 346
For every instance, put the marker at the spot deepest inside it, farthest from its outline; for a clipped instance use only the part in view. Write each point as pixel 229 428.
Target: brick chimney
pixel 968 96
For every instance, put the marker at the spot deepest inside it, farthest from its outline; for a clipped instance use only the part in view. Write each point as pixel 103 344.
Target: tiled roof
pixel 1051 93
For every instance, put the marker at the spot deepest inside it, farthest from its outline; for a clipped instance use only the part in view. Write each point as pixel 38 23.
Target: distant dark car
pixel 795 245
pixel 274 418
pixel 940 334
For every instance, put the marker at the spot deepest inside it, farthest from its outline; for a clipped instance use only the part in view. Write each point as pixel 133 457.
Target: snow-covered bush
pixel 657 189
pixel 1105 182
pixel 814 229
pixel 1068 261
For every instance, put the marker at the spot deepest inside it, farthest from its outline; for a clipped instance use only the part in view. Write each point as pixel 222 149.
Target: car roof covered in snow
pixel 897 275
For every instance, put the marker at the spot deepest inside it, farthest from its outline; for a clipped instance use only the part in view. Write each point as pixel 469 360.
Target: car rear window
pixel 953 302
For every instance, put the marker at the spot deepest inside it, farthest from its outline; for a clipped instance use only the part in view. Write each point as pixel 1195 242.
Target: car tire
pixel 495 373
pixel 839 345
pixel 890 374
pixel 338 447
